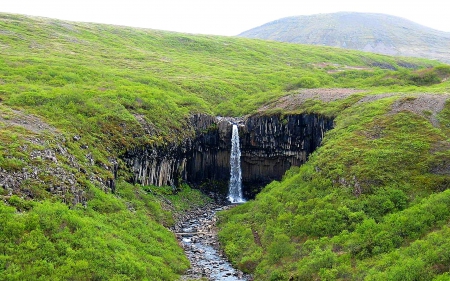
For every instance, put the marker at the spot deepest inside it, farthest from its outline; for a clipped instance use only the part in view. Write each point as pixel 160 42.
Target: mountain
pixel 108 134
pixel 377 33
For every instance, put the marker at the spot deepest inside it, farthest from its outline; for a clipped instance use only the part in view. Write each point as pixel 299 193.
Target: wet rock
pixel 207 261
pixel 188 229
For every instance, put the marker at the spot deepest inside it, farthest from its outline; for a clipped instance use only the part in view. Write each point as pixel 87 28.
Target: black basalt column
pixel 271 145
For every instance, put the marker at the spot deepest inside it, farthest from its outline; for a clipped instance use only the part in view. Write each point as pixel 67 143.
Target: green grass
pixel 108 240
pixel 114 237
pixel 357 210
pixel 95 90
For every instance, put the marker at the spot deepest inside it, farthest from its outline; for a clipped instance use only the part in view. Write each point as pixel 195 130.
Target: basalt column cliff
pixel 269 146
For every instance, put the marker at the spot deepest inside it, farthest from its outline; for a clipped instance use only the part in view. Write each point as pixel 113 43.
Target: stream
pixel 197 234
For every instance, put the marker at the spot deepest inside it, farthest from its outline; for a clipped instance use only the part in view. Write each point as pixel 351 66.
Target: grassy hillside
pixel 371 204
pixel 378 33
pixel 75 96
pixel 115 237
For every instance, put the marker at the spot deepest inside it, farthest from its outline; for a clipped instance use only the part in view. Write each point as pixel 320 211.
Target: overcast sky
pixel 220 17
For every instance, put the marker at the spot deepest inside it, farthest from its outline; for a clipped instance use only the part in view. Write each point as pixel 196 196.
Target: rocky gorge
pixel 197 234
pixel 270 145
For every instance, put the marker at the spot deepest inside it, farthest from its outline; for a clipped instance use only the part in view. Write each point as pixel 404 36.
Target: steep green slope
pixel 114 237
pixel 378 33
pixel 75 96
pixel 371 204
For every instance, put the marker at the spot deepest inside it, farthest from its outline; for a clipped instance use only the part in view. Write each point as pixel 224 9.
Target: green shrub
pixel 304 82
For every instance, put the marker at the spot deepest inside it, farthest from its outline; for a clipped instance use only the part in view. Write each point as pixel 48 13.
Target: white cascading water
pixel 235 188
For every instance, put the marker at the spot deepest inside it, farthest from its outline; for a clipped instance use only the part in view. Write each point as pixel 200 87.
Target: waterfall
pixel 235 188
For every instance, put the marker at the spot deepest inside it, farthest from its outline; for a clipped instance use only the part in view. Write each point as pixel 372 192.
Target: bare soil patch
pixel 426 105
pixel 372 98
pixel 27 121
pixel 294 100
pixel 423 104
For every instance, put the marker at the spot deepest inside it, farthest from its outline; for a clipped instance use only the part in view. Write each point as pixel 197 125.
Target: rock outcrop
pixel 269 145
pixel 197 234
pixel 42 163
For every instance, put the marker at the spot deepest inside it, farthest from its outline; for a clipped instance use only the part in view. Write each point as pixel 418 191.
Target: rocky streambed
pixel 197 234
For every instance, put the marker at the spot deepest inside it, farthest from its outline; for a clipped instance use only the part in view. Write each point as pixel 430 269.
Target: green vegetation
pixel 372 203
pixel 76 96
pixel 114 238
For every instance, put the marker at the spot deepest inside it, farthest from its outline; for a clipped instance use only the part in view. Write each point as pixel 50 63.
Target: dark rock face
pixel 269 146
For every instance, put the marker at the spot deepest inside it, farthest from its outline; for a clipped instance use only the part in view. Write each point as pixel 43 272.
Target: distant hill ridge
pixel 377 33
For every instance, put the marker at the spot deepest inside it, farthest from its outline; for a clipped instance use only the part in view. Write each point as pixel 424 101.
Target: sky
pixel 220 17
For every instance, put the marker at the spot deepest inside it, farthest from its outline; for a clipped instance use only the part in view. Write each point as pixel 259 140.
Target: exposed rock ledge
pixel 269 146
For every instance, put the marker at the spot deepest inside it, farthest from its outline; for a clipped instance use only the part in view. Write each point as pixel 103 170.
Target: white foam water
pixel 235 188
